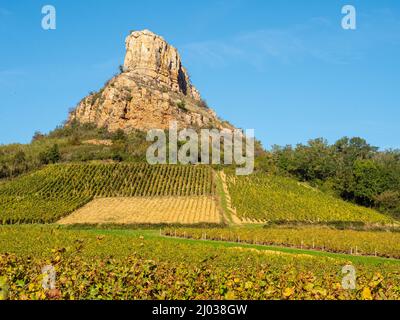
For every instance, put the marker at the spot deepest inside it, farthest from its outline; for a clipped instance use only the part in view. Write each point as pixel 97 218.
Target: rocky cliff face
pixel 149 55
pixel 153 90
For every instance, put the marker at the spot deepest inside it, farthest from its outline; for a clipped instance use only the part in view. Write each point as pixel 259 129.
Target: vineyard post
pixel 184 234
pixel 313 244
pixel 356 250
pixel 351 250
pixel 376 253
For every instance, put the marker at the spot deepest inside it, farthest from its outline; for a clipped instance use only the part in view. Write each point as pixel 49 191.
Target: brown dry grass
pixel 146 210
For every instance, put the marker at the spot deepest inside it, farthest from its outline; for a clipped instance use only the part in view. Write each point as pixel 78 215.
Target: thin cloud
pixel 319 39
pixel 261 47
pixel 214 53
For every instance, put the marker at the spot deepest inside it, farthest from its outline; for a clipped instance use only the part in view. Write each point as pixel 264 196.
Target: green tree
pixel 368 181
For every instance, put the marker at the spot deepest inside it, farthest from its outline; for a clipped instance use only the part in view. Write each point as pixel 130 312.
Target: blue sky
pixel 285 68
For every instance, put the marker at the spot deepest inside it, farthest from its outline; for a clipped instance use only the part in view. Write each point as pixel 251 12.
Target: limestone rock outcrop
pixel 149 55
pixel 152 90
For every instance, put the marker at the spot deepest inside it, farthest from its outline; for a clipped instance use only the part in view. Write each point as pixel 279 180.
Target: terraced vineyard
pixel 57 190
pixel 379 243
pixel 272 198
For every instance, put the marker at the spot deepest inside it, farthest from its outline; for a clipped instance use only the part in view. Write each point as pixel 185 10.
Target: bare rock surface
pixel 153 90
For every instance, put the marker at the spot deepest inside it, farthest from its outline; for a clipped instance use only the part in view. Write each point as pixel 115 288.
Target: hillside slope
pixel 267 198
pixel 57 190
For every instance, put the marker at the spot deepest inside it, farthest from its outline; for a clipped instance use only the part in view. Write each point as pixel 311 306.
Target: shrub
pixel 389 201
pixel 181 105
pixel 118 135
pixel 203 104
pixel 37 136
pixel 52 155
pixel 117 157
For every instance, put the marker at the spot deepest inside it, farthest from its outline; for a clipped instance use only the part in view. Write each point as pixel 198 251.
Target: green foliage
pixel 117 157
pixel 57 190
pixel 20 160
pixel 74 140
pixel 37 136
pixel 52 155
pixel 272 198
pixel 71 140
pixel 351 168
pixel 135 265
pixel 368 181
pixel 119 135
pixel 3 288
pixel 181 105
pixel 389 201
pixel 85 131
pixel 379 243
